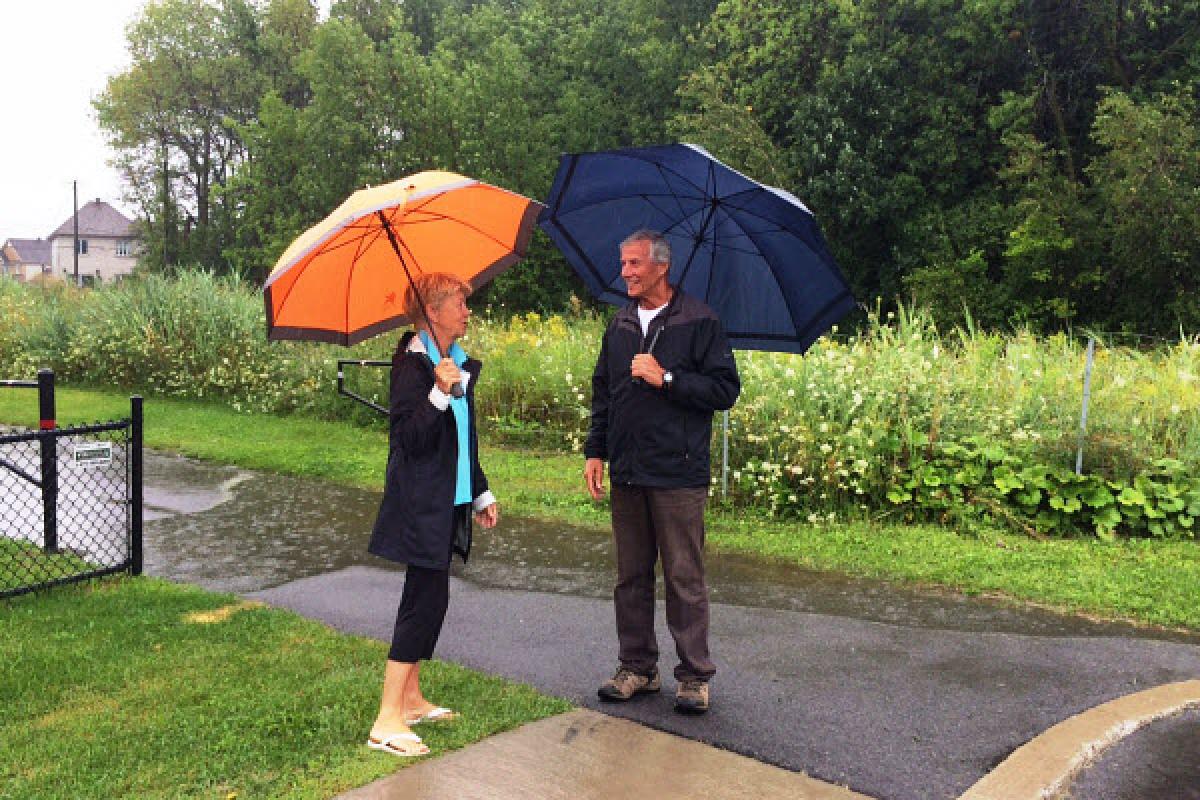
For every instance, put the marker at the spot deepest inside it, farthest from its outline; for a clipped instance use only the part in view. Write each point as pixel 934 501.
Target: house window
pixel 123 248
pixel 83 247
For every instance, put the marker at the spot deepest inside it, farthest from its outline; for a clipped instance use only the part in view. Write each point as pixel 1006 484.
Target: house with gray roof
pixel 24 259
pixel 108 245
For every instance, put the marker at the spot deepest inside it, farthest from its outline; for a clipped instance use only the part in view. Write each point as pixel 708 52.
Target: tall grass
pixel 822 433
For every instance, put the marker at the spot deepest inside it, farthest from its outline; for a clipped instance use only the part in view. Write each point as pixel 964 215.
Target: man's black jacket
pixel 660 437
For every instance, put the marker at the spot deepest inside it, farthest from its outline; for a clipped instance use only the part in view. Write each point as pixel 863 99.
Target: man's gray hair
pixel 660 248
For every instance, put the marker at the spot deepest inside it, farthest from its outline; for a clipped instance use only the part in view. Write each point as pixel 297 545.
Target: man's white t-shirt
pixel 645 315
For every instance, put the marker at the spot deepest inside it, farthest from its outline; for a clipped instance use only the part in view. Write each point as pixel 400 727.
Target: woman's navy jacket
pixel 416 523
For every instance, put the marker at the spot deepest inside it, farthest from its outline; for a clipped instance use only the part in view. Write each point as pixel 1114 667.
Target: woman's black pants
pixel 422 611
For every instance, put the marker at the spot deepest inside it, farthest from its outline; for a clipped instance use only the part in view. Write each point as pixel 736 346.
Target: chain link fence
pixel 70 501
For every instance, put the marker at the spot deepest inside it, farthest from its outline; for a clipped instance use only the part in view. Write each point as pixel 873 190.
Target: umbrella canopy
pixel 752 252
pixel 343 280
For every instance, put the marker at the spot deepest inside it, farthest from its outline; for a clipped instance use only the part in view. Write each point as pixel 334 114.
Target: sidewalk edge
pixel 1042 767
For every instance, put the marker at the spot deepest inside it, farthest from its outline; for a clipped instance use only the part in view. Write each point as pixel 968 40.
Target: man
pixel 664 367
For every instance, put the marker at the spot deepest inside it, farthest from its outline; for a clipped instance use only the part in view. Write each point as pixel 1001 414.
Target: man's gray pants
pixel 647 523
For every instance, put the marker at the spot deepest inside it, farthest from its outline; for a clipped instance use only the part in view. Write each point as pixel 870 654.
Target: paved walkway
pixel 894 693
pixel 887 710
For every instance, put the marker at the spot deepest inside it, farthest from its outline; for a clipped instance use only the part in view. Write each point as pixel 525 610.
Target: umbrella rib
pixel 767 261
pixel 373 234
pixel 778 229
pixel 675 196
pixel 684 218
pixel 349 241
pixel 712 260
pixel 662 169
pixel 439 216
pixel 645 195
pixel 287 296
pixel 711 212
pixel 460 223
pixel 413 256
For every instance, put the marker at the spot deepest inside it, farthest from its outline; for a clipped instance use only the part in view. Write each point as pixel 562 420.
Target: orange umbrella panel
pixel 342 281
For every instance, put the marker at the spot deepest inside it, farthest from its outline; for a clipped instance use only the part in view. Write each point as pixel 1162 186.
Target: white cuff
pixel 483 501
pixel 440 400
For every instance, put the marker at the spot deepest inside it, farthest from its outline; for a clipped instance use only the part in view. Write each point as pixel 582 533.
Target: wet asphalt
pixel 893 692
pixel 1159 761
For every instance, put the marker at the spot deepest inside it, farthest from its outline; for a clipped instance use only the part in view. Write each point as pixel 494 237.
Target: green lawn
pixel 1154 582
pixel 136 687
pixel 23 564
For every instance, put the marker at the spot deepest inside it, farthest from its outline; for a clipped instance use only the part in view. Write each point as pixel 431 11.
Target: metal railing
pixel 341 381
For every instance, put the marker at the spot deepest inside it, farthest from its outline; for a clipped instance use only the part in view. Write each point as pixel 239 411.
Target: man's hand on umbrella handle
pixel 488 517
pixel 447 374
pixel 593 477
pixel 646 367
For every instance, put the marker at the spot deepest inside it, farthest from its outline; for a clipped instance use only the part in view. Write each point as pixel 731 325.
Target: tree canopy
pixel 1015 160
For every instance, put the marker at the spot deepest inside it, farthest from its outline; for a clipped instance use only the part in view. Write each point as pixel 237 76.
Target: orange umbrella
pixel 343 280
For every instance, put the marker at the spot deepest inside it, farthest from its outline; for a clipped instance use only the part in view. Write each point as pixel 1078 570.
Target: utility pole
pixel 75 195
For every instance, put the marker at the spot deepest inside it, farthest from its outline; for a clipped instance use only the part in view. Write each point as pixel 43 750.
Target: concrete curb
pixel 1042 767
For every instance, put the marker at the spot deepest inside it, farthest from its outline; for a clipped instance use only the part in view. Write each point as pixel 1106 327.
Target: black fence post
pixel 135 489
pixel 49 448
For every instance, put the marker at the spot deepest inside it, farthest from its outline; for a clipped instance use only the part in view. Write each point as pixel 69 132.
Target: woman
pixel 434 483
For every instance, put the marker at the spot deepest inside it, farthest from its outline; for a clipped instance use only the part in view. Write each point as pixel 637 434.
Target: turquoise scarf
pixel 462 481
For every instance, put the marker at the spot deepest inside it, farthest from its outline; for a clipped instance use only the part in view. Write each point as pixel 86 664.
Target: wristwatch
pixel 667 378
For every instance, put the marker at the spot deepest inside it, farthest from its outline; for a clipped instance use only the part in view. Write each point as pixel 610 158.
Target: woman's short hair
pixel 435 288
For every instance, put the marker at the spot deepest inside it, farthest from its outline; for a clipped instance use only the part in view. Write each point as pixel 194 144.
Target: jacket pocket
pixel 663 441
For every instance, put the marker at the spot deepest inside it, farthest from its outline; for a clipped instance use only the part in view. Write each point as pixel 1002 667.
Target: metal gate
pixel 70 498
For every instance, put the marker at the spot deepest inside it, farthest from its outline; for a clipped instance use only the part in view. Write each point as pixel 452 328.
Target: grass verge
pixel 1150 581
pixel 23 564
pixel 136 687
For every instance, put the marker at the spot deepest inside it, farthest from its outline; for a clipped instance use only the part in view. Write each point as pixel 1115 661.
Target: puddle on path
pixel 233 530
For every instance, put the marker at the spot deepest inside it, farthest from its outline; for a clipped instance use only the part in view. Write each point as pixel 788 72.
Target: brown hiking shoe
pixel 626 683
pixel 692 697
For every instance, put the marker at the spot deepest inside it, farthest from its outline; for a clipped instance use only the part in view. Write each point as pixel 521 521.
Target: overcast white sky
pixel 57 55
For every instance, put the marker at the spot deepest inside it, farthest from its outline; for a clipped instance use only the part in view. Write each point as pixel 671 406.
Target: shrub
pixel 897 418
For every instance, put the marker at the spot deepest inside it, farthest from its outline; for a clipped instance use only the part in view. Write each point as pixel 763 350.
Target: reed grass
pixel 814 435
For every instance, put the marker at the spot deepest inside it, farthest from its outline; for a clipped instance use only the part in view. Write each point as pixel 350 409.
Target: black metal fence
pixel 70 498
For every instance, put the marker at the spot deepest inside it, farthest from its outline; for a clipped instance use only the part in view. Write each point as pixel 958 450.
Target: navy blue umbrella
pixel 752 252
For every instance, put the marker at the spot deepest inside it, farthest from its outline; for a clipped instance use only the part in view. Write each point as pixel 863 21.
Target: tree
pixel 1147 182
pixel 171 117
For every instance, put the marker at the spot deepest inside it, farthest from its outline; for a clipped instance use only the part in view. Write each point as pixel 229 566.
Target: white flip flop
pixel 434 715
pixel 385 744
